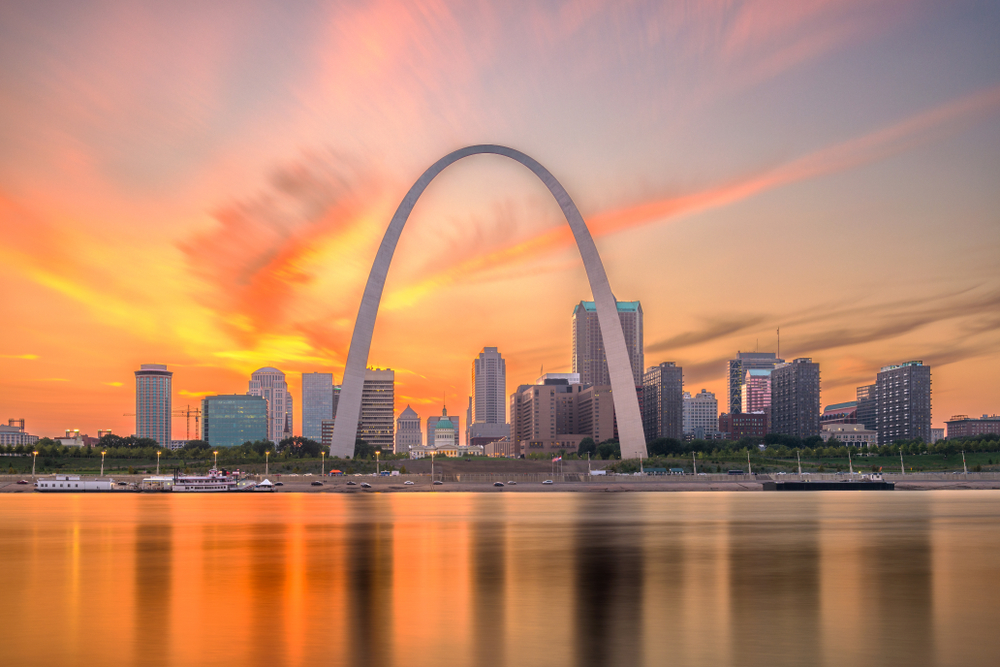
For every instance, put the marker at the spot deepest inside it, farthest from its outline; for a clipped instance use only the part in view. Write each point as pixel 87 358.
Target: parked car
pixel 497 483
pixel 548 481
pixel 438 482
pixel 365 485
pixel 279 483
pixel 23 481
pixel 317 483
pixel 512 483
pixel 352 484
pixel 408 483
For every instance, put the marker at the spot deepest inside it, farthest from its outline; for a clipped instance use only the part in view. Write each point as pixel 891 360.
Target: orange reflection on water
pixel 501 579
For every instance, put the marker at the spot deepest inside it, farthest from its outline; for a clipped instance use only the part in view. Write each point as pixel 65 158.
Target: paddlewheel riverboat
pixel 216 481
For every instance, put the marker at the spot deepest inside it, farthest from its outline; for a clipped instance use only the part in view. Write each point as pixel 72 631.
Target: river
pixel 716 578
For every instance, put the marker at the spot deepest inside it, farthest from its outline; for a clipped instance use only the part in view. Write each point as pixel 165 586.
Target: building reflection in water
pixel 153 589
pixel 609 578
pixel 504 579
pixel 369 578
pixel 488 564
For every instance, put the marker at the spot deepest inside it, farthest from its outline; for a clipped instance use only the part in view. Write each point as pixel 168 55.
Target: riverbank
pixel 566 482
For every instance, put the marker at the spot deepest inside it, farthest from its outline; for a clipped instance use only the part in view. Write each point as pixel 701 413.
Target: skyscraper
pixel 408 431
pixel 736 371
pixel 701 415
pixel 229 421
pixel 317 403
pixel 269 383
pixel 376 426
pixel 153 407
pixel 795 398
pixel 867 412
pixel 589 358
pixel 904 402
pixel 663 401
pixel 489 387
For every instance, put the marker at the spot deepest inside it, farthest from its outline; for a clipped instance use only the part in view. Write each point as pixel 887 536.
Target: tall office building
pixel 408 431
pixel 376 425
pixel 904 402
pixel 663 402
pixel 795 398
pixel 269 384
pixel 736 372
pixel 317 403
pixel 867 410
pixel 589 358
pixel 701 415
pixel 231 420
pixel 153 405
pixel 489 387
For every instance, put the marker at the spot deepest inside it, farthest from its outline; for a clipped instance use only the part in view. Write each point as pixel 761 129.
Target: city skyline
pixel 822 168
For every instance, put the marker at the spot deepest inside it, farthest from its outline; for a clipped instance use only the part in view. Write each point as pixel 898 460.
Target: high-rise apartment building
pixel 795 398
pixel 317 403
pixel 589 358
pixel 269 384
pixel 701 416
pixel 755 393
pixel 663 401
pixel 489 388
pixel 736 372
pixel 904 402
pixel 153 406
pixel 867 407
pixel 376 425
pixel 408 431
pixel 231 420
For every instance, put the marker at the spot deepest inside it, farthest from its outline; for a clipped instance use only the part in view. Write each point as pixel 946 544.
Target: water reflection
pixel 153 569
pixel 488 563
pixel 369 587
pixel 515 579
pixel 609 578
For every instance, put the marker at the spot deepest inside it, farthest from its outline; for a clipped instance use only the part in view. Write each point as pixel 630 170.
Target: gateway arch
pixel 630 433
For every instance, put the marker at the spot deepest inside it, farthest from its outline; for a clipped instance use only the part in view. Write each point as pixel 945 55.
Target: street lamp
pixel 34 458
pixel 158 462
pixel 377 452
pixel 216 452
pixel 267 459
pixel 432 466
pixel 322 470
pixel 102 462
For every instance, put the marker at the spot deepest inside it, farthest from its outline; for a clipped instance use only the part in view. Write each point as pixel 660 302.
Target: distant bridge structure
pixel 630 432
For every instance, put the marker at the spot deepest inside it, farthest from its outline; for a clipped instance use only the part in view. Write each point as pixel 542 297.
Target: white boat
pixel 215 481
pixel 72 484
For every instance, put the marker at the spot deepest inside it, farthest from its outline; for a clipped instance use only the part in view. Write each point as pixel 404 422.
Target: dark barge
pixel 838 485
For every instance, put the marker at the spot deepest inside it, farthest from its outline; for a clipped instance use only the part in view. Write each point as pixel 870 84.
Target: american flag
pixel 558 458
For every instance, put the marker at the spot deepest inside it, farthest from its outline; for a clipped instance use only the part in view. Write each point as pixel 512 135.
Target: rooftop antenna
pixel 779 343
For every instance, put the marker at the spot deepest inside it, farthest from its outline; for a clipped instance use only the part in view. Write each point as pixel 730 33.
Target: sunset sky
pixel 205 185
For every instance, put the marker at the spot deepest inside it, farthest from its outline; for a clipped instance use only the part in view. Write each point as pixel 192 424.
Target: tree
pixel 300 446
pixel 665 447
pixel 587 446
pixel 609 449
pixel 362 450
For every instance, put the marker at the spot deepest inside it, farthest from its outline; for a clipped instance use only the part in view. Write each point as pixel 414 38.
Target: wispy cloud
pixel 27 357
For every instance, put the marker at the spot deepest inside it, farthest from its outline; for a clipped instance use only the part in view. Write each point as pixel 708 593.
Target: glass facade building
pixel 317 403
pixel 231 420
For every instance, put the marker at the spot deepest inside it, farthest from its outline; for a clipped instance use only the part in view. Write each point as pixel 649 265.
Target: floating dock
pixel 840 485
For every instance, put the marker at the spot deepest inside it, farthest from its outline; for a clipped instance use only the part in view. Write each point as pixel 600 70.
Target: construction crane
pixel 186 412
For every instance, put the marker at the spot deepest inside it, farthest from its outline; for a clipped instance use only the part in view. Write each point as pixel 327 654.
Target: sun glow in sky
pixel 205 186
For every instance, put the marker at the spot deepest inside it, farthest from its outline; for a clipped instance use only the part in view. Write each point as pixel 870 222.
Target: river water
pixel 828 578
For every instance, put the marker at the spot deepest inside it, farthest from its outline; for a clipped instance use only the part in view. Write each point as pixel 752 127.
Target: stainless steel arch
pixel 633 441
